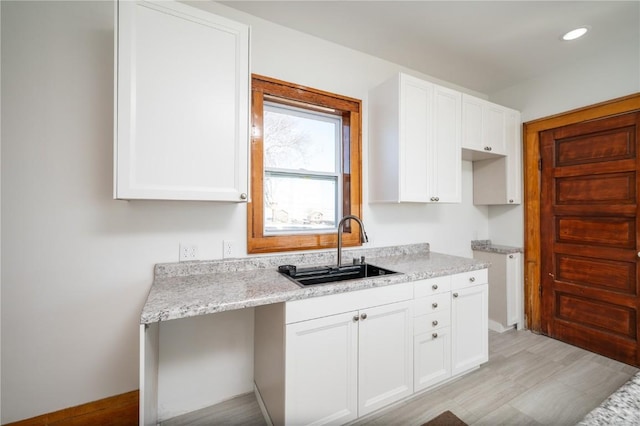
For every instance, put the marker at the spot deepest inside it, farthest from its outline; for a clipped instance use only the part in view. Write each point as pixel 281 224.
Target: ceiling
pixel 485 46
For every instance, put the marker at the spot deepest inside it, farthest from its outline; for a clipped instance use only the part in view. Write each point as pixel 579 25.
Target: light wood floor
pixel 529 380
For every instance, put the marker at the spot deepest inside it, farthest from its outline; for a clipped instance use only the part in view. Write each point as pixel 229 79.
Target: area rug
pixel 445 419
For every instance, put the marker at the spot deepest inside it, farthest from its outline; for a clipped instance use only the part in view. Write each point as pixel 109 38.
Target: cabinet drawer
pixel 317 307
pixel 468 279
pixel 427 323
pixel 432 304
pixel 431 286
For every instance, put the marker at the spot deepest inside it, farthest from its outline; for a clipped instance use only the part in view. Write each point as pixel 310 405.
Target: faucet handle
pixel 358 261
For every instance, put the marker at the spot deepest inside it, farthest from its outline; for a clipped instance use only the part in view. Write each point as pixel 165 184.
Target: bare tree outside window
pixel 301 159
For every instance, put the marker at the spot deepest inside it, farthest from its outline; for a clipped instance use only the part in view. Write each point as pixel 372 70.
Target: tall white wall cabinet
pixel 491 138
pixel 414 142
pixel 182 103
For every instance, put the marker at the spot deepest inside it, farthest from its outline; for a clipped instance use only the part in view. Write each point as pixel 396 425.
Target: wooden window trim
pixel 350 110
pixel 532 189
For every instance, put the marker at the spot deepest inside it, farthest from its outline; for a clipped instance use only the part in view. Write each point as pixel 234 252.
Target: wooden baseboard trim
pixel 118 410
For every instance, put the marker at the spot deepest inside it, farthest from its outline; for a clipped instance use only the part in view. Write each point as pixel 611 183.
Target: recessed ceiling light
pixel 574 34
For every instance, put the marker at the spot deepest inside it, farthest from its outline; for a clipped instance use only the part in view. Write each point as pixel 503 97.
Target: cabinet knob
pixel 510 256
pixel 243 196
pixel 434 335
pixel 510 201
pixel 434 305
pixel 363 316
pixel 356 318
pixel 472 279
pixel 437 198
pixel 487 148
pixel 434 323
pixel 435 286
pixel 455 294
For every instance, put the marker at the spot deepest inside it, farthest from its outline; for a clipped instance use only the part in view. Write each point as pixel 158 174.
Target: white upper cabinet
pixel 483 128
pixel 182 104
pixel 414 142
pixel 498 180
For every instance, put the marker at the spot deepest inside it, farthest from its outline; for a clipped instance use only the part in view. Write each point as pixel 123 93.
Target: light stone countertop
pixel 188 289
pixel 489 247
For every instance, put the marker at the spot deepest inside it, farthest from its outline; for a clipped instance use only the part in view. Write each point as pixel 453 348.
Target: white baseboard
pixel 497 327
pixel 263 407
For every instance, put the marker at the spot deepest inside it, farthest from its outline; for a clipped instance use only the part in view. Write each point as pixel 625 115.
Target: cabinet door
pixel 494 127
pixel 416 99
pixel 444 159
pixel 321 370
pixel 469 328
pixel 182 102
pixel 386 356
pixel 472 133
pixel 431 358
pixel 483 128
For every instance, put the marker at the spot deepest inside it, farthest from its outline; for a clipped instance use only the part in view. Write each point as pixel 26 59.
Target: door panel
pixel 589 235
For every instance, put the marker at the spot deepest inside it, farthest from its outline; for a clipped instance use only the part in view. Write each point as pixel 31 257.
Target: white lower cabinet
pixel 315 366
pixel 432 358
pixel 385 362
pixel 432 332
pixel 469 321
pixel 322 370
pixel 348 365
pixel 332 359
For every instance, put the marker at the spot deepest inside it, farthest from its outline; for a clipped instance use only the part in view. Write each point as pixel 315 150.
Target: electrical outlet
pixel 188 252
pixel 227 249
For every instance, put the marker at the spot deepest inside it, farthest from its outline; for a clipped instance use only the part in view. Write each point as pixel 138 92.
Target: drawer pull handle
pixel 455 294
pixel 434 323
pixel 472 279
pixel 434 305
pixel 363 316
pixel 356 318
pixel 434 335
pixel 510 256
pixel 435 286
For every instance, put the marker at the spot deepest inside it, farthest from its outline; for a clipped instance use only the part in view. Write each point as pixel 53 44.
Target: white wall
pixel 612 74
pixel 76 264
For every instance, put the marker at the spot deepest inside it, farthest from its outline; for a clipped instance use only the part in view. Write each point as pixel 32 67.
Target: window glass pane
pixel 297 140
pixel 299 203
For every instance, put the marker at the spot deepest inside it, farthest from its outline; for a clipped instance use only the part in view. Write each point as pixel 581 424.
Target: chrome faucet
pixel 363 234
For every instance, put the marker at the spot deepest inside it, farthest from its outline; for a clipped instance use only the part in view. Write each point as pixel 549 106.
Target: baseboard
pixel 497 327
pixel 263 407
pixel 118 410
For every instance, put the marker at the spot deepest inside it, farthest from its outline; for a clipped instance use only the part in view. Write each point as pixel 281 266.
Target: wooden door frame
pixel 532 181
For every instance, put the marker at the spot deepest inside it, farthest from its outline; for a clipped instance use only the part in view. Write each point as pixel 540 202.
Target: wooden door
pixel 589 235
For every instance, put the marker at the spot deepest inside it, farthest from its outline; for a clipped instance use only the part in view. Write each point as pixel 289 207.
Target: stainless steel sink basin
pixel 330 274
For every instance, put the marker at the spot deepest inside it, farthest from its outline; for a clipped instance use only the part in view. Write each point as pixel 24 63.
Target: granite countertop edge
pixel 489 247
pixel 219 286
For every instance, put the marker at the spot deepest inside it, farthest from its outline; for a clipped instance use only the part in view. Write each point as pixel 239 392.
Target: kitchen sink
pixel 330 274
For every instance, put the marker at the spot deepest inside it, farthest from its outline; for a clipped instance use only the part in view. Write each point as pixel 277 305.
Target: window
pixel 305 167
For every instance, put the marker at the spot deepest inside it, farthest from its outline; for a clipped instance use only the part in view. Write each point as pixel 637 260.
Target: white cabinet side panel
pixel 149 354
